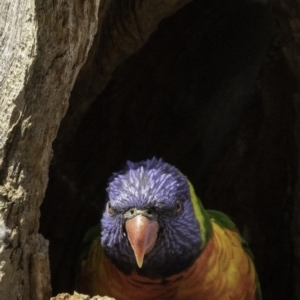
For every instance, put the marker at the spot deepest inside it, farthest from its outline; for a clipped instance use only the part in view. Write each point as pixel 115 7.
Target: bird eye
pixel 149 211
pixel 109 208
pixel 178 206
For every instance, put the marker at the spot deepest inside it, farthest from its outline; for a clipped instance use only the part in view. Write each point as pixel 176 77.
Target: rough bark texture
pixel 43 46
pixel 79 297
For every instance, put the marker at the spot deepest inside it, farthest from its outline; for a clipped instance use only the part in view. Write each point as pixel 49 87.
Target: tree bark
pixel 43 46
pixel 77 296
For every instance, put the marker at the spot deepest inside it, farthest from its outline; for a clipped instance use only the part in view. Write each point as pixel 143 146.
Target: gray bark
pixel 43 46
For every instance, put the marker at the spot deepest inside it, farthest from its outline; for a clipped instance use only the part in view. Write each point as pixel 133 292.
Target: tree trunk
pixel 43 46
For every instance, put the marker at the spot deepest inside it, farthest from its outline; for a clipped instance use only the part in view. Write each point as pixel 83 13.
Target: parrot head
pixel 149 224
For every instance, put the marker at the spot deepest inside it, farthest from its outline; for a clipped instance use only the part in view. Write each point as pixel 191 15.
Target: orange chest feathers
pixel 222 271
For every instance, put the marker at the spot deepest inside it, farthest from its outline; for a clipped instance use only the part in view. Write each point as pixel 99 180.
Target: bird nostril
pixel 132 211
pixel 149 211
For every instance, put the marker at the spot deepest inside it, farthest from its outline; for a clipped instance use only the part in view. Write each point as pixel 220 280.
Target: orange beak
pixel 142 235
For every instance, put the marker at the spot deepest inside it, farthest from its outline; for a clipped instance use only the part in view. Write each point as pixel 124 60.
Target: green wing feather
pixel 221 219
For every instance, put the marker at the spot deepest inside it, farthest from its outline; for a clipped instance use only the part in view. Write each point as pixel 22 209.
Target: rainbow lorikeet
pixel 158 242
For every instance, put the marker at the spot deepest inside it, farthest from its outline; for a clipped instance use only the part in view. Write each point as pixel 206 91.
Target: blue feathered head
pixel 149 224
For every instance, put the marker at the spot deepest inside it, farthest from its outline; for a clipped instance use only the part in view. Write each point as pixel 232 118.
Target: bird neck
pixel 202 280
pixel 202 216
